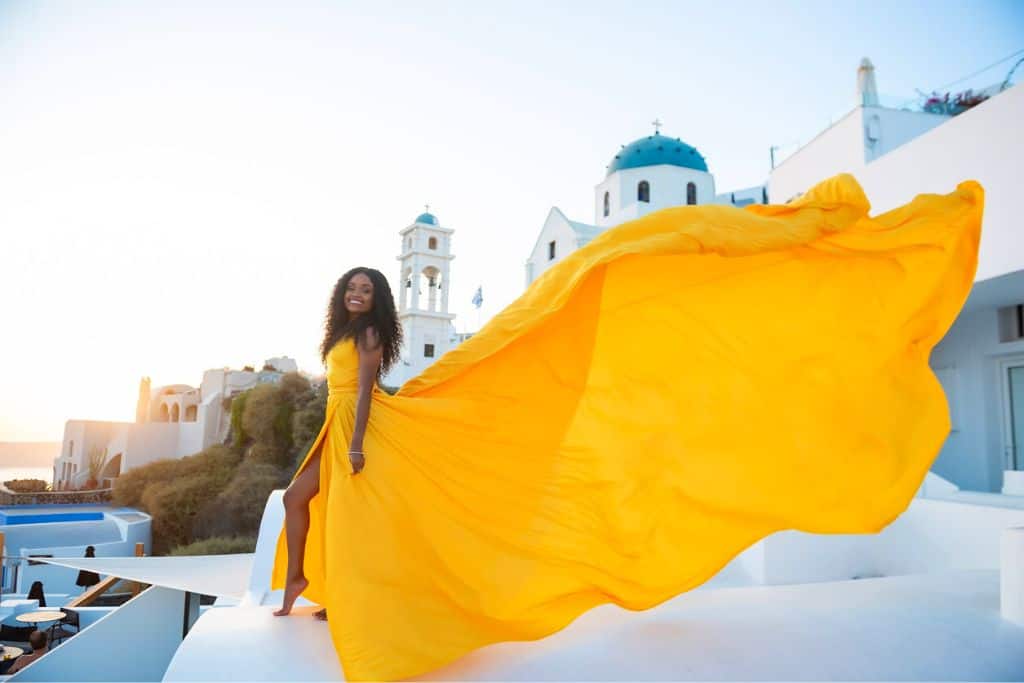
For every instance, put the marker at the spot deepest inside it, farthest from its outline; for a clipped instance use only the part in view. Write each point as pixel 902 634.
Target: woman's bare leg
pixel 296 526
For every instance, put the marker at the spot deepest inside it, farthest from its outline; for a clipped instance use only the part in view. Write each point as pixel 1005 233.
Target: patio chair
pixel 61 629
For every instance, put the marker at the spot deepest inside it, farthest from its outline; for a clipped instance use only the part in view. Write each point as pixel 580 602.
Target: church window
pixel 428 350
pixel 691 193
pixel 432 243
pixel 551 250
pixel 71 449
pixel 643 191
pixel 607 204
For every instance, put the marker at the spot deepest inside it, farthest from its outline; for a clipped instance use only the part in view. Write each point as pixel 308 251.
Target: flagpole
pixel 478 302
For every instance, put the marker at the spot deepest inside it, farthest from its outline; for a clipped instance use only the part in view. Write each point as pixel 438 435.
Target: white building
pixel 897 154
pixel 653 173
pixel 62 530
pixel 422 293
pixel 936 595
pixel 171 421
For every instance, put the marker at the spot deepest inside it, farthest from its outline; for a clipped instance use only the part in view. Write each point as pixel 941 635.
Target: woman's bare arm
pixel 370 354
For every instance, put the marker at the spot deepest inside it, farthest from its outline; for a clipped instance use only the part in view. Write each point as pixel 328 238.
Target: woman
pixel 87 579
pixel 361 316
pixel 35 592
pixel 679 388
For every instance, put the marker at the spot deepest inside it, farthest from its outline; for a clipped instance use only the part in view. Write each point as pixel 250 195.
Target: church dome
pixel 428 218
pixel 657 149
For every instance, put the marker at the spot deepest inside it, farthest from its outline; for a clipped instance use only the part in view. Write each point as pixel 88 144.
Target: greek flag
pixel 478 298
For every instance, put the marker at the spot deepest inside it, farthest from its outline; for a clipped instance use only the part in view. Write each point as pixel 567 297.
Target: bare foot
pixel 292 590
pixel 321 614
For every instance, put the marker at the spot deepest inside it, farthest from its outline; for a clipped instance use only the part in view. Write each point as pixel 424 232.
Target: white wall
pixel 133 643
pixel 420 234
pixel 667 185
pixel 142 442
pixel 240 380
pixel 56 580
pixel 283 364
pixel 190 438
pixel 212 417
pixel 984 144
pixel 930 536
pixel 837 149
pixel 556 228
pixel 966 362
pixel 266 549
pixel 743 197
pixel 86 435
pixel 150 441
pixel 119 444
pixel 887 129
pixel 214 382
pixel 62 579
pixel 421 329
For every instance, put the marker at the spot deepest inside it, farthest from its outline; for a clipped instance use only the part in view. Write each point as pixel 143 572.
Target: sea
pixel 28 459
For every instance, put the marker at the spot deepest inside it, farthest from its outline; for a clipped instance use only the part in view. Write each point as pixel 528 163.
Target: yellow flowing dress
pixel 679 388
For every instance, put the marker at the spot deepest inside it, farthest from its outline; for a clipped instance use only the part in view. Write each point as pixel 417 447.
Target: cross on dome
pixel 657 125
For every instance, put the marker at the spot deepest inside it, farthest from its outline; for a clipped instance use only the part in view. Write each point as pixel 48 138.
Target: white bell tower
pixel 423 297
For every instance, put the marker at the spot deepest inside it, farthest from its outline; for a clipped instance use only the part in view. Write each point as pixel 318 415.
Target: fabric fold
pixel 652 405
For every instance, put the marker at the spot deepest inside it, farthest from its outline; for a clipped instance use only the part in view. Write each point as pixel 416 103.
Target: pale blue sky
pixel 183 182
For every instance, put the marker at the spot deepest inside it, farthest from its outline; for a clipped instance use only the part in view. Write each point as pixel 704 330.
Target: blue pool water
pixel 49 517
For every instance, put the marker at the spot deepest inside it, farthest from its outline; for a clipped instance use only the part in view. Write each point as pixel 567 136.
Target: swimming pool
pixel 8 518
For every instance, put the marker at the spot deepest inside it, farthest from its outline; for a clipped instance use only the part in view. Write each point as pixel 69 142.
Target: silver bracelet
pixel 356 453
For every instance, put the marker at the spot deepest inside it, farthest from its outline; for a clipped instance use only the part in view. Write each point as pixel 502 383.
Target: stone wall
pixel 8 497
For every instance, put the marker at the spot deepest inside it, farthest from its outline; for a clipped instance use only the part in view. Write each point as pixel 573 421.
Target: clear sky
pixel 182 183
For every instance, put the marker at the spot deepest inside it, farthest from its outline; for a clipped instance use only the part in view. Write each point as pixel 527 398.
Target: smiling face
pixel 359 295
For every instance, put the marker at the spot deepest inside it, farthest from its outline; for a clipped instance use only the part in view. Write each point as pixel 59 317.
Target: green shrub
pixel 238 508
pixel 27 485
pixel 267 419
pixel 237 410
pixel 188 485
pixel 130 486
pixel 262 404
pixel 218 545
pixel 307 422
pixel 295 388
pixel 264 453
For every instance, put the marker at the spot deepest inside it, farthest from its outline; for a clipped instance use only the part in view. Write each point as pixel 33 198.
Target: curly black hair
pixel 382 317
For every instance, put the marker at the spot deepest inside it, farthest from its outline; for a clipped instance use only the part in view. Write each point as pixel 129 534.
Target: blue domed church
pixel 652 173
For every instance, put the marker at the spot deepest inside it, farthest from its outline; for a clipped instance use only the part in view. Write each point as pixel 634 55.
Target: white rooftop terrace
pixel 935 614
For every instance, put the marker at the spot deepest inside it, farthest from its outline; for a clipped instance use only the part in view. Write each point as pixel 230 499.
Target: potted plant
pixel 97 460
pixel 951 105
